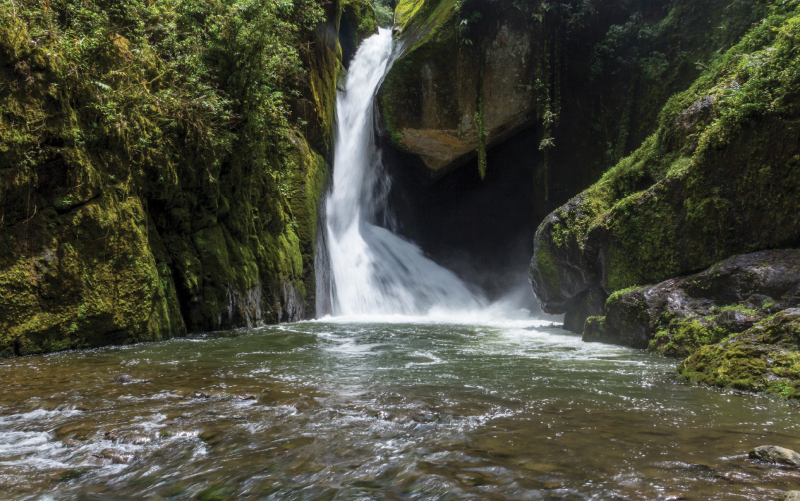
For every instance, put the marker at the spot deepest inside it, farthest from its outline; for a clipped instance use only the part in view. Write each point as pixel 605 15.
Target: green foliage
pixel 667 209
pixel 129 131
pixel 384 13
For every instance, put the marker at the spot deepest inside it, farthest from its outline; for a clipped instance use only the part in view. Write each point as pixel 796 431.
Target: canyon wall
pixel 161 165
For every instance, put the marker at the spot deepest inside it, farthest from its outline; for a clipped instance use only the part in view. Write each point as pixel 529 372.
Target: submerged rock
pixel 70 442
pixel 140 440
pixel 114 456
pixel 790 496
pixel 775 454
pixel 127 378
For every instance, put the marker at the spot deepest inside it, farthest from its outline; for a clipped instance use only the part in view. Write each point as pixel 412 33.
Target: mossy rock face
pixel 561 270
pixel 323 64
pixel 137 201
pixel 720 177
pixel 678 316
pixel 588 79
pixel 764 358
pixel 84 278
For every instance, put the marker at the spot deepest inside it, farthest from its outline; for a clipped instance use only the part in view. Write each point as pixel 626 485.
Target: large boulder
pixel 776 454
pixel 677 316
pixel 442 95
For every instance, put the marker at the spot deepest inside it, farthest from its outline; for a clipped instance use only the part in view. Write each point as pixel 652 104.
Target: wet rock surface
pixel 775 454
pixel 727 298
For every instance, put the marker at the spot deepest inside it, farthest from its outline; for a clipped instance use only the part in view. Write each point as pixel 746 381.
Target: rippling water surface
pixel 380 410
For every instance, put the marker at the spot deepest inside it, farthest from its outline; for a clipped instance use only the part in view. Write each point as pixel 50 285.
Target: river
pixel 396 409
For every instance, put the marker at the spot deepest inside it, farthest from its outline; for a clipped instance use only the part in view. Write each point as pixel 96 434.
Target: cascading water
pixel 373 270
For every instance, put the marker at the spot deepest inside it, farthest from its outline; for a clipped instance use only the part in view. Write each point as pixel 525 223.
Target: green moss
pixel 144 176
pixel 405 10
pixel 594 329
pixel 685 337
pixel 763 358
pixel 616 296
pixel 548 266
pixel 701 188
pixel 735 307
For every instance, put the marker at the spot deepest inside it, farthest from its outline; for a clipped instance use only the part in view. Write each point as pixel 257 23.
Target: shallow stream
pixel 389 409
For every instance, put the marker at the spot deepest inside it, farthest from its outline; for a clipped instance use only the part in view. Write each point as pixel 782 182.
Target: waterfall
pixel 374 271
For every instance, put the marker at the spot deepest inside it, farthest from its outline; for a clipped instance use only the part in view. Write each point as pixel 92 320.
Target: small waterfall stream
pixel 373 270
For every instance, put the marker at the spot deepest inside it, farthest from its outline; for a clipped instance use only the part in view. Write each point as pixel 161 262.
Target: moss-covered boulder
pixel 677 316
pixel 720 177
pixel 764 358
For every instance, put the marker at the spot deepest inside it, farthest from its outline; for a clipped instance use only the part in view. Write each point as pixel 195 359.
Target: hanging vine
pixel 548 83
pixel 481 134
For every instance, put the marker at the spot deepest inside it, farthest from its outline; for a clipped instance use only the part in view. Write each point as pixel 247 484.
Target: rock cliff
pixel 719 177
pixel 161 166
pixel 582 80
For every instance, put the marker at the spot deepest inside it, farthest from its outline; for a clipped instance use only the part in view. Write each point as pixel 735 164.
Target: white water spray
pixel 374 271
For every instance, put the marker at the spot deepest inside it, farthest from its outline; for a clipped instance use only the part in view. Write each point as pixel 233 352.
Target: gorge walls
pixel 496 113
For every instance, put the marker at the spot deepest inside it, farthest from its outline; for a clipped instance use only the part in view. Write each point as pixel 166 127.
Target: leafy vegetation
pixel 153 164
pixel 384 12
pixel 698 190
